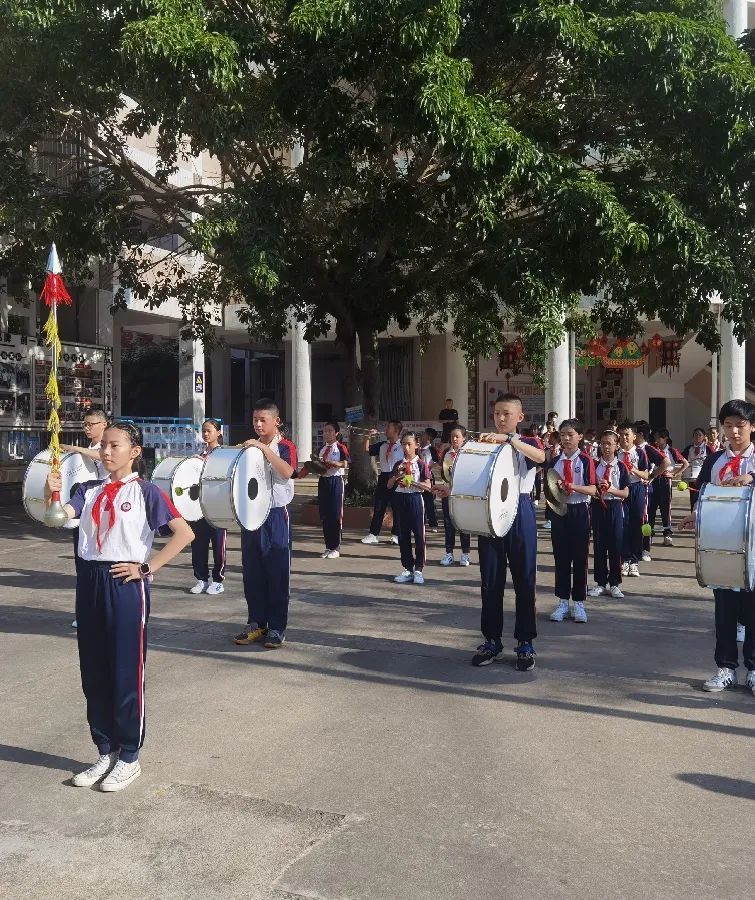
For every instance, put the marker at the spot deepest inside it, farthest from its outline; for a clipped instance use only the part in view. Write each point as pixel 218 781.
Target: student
pixel 458 436
pixel 590 444
pixel 660 499
pixel 119 518
pixel 552 452
pixel 516 551
pixel 408 478
pixel 733 466
pixel 266 552
pixel 428 454
pixel 206 534
pixel 696 453
pixel 388 453
pixel 657 462
pixel 612 478
pixel 570 534
pixel 635 506
pixel 330 489
pixel 537 489
pixel 95 423
pixel 714 441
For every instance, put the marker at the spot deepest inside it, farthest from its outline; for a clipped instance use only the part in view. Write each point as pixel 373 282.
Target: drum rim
pixel 234 511
pixel 495 450
pixel 169 478
pixel 36 459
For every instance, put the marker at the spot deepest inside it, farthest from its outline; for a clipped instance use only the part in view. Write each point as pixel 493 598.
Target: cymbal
pixel 554 496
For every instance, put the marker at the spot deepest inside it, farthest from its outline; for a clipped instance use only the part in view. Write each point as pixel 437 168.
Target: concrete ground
pixel 367 759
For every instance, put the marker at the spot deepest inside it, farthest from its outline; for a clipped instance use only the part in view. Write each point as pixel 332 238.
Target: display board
pixel 532 397
pixel 86 379
pixel 16 373
pixel 173 436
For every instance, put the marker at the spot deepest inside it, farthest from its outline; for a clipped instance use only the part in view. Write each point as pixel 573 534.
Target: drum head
pixel 75 470
pixel 503 499
pixel 179 478
pixel 252 489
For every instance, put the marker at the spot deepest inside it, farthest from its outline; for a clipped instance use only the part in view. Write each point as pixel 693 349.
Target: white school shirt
pixel 283 488
pixel 335 452
pixel 746 466
pixel 140 509
pixel 619 477
pixel 387 459
pixel 579 475
pixel 631 462
pixel 696 456
pixel 420 472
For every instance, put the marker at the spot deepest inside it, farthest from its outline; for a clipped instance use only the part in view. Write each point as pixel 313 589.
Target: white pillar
pixel 735 13
pixel 558 388
pixel 732 365
pixel 191 381
pixel 457 381
pixel 301 391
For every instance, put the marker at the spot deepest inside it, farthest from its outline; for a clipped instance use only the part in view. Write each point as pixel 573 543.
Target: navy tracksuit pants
pixel 660 501
pixel 733 607
pixel 430 511
pixel 112 636
pixel 204 535
pixel 608 537
pixel 330 498
pixel 570 535
pixel 409 510
pixel 383 499
pixel 76 557
pixel 634 516
pixel 516 551
pixel 450 531
pixel 266 564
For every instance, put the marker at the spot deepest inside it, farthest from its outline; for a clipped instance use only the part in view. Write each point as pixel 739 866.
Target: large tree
pixel 484 163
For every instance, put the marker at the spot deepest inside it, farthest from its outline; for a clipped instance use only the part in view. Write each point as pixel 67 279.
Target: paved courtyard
pixel 368 760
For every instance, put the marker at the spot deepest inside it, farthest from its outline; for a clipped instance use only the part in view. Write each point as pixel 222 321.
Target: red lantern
pixel 656 342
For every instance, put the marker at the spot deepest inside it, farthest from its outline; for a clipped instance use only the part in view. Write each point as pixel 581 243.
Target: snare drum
pixel 178 476
pixel 724 537
pixel 484 494
pixel 236 488
pixel 75 469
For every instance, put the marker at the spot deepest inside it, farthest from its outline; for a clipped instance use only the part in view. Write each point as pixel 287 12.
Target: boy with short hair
pixel 570 533
pixel 387 453
pixel 429 455
pixel 612 479
pixel 733 466
pixel 657 465
pixel 266 552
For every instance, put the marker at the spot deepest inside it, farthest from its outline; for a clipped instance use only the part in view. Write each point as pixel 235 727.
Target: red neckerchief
pixel 109 490
pixel 568 475
pixel 731 466
pixel 628 459
pixel 606 477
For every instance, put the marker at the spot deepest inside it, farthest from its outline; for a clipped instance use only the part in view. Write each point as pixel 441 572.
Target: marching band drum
pixel 75 469
pixel 725 537
pixel 178 477
pixel 484 494
pixel 236 488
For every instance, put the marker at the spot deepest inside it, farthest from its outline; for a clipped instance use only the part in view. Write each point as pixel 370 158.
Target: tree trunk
pixel 361 469
pixel 368 347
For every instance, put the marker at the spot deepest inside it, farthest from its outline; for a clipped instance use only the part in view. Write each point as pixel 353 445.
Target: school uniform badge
pixel 126 506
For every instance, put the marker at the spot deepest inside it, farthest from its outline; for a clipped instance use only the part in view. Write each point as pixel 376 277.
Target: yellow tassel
pixel 52 337
pixel 52 391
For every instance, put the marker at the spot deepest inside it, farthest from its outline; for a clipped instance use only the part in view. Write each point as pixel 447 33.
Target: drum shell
pixel 182 472
pixel 224 488
pixel 724 537
pixel 484 494
pixel 75 469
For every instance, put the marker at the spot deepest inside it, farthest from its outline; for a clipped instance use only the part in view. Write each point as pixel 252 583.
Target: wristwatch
pixel 511 435
pixel 145 570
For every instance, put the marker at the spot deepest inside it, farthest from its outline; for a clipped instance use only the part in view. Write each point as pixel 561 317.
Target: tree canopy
pixel 485 163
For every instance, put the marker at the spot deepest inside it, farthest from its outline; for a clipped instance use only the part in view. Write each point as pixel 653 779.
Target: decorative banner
pixel 623 355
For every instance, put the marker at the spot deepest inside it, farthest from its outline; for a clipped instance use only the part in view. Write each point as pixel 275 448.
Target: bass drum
pixel 484 494
pixel 236 488
pixel 724 537
pixel 178 477
pixel 75 469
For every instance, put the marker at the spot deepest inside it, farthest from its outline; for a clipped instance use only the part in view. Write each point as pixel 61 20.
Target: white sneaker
pixel 596 591
pixel 324 554
pixel 419 578
pixel 371 539
pixel 447 560
pixel 74 624
pixel 616 592
pixel 332 554
pixel 668 541
pixel 200 587
pixel 93 774
pixel 634 570
pixel 646 556
pixel 561 612
pixel 215 587
pixel 547 524
pixel 464 561
pixel 579 614
pixel 750 683
pixel 121 776
pixel 740 634
pixel 624 570
pixel 394 539
pixel 723 679
pixel 406 577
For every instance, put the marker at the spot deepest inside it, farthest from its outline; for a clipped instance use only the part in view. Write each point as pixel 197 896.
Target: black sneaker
pixel 525 656
pixel 487 653
pixel 274 639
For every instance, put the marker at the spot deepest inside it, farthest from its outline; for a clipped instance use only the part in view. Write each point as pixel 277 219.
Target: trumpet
pixel 365 432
